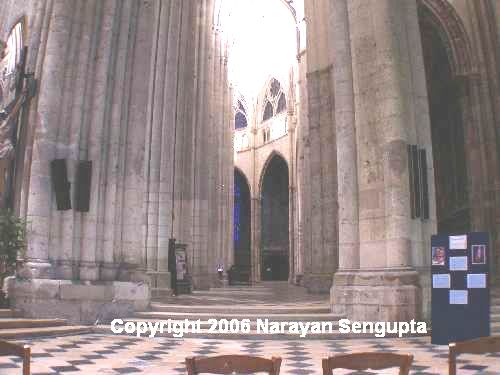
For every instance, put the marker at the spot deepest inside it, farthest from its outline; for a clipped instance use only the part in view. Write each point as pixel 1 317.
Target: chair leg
pixel 26 361
pixel 326 367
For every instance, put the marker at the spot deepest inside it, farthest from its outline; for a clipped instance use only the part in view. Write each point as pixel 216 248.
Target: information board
pixel 460 287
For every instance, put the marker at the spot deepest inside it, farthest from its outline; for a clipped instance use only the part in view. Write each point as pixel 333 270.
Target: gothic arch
pixel 247 181
pixel 273 99
pixel 263 170
pixel 242 223
pixel 443 16
pixel 476 109
pixel 274 220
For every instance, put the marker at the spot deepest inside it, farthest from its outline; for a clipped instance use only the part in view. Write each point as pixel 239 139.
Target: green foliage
pixel 12 241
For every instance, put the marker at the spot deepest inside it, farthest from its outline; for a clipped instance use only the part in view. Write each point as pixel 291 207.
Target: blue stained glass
pixel 240 121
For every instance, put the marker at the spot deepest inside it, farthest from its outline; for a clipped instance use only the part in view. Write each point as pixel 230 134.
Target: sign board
pixel 460 287
pixel 180 261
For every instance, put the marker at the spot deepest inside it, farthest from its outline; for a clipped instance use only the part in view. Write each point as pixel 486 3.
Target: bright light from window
pixel 263 42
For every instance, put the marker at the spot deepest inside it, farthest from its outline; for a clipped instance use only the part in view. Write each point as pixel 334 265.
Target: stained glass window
pixel 281 103
pixel 274 88
pixel 268 111
pixel 240 121
pixel 241 107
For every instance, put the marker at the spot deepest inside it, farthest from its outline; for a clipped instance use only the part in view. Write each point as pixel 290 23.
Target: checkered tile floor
pixel 108 354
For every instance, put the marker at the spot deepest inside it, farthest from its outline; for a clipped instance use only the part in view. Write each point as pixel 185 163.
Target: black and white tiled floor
pixel 108 354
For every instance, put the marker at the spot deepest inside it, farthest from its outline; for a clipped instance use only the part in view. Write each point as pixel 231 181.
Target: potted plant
pixel 12 245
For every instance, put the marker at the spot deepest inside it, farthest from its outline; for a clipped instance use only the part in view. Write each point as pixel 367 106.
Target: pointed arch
pixel 273 98
pixel 242 222
pixel 281 103
pixel 268 111
pixel 265 166
pixel 443 16
pixel 275 220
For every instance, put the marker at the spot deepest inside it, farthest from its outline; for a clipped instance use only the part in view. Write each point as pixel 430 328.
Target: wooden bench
pixel 8 348
pixel 482 345
pixel 366 361
pixel 228 364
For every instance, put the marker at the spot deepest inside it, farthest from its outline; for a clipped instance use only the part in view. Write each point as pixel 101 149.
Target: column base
pixel 160 284
pixel 65 270
pixel 34 268
pixel 317 283
pixel 77 302
pixel 385 295
pixel 109 271
pixel 89 271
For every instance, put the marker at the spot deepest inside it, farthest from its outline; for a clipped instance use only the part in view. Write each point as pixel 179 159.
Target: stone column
pixel 201 214
pixel 84 53
pixel 170 132
pixel 256 238
pixel 39 200
pixel 292 198
pixel 346 139
pixel 321 201
pixel 386 287
pixel 133 154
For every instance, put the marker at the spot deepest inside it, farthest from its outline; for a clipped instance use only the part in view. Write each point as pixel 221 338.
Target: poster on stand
pixel 460 295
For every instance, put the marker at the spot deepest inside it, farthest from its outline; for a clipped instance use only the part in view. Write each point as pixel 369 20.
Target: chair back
pixel 482 345
pixel 366 361
pixel 23 351
pixel 228 364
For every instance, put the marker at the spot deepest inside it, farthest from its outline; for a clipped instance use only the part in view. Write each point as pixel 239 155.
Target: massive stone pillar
pixel 87 57
pixel 347 184
pixel 140 89
pixel 320 193
pixel 387 76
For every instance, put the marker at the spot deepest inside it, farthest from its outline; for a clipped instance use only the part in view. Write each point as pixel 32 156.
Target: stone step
pixel 495 309
pixel 43 331
pixel 162 315
pixel 6 313
pixel 242 309
pixel 12 323
pixel 243 286
pixel 238 291
pixel 161 293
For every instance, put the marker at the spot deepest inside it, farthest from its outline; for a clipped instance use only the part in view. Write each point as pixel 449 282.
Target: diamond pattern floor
pixel 109 354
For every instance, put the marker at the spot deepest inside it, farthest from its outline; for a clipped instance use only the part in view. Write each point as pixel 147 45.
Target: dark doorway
pixel 447 127
pixel 241 233
pixel 274 211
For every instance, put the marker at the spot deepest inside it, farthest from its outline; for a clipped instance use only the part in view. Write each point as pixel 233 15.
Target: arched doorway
pixel 274 221
pixel 242 222
pixel 445 93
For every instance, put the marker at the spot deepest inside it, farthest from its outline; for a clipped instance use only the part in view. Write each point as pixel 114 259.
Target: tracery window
pixel 240 118
pixel 274 101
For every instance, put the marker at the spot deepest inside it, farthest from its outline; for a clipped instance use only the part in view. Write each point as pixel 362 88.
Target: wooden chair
pixel 228 364
pixel 476 346
pixel 8 348
pixel 365 361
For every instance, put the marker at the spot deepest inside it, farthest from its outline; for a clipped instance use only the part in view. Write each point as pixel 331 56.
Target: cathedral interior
pixel 316 144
